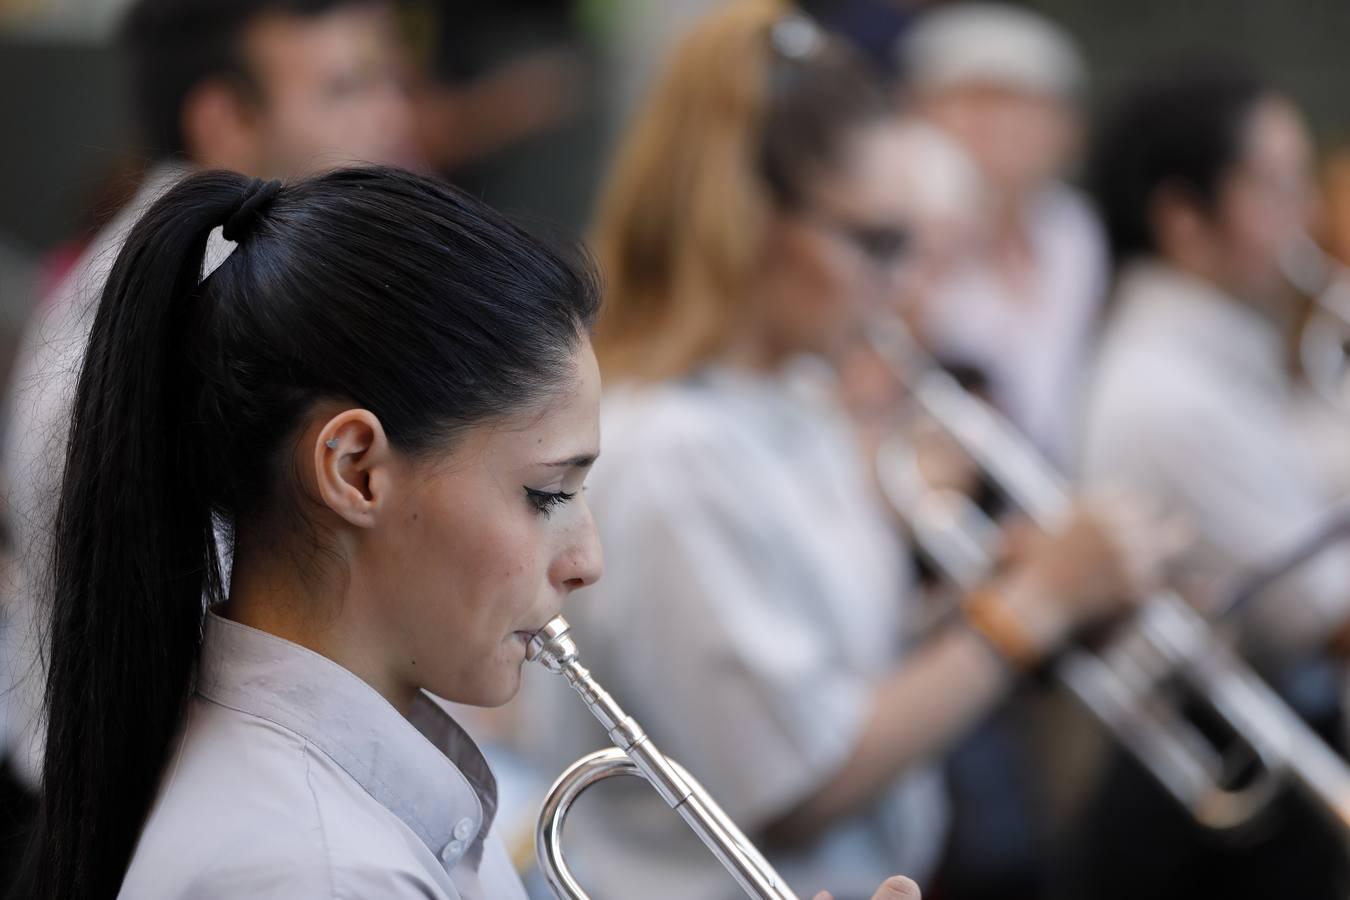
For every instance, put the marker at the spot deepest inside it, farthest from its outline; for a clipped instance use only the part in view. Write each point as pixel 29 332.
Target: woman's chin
pixel 504 687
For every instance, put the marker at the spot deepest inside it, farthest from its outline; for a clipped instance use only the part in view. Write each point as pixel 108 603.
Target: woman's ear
pixel 353 466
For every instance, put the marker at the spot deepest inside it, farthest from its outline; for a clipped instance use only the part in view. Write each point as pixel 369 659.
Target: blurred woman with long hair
pixel 757 615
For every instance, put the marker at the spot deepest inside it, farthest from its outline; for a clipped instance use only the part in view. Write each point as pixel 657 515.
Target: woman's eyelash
pixel 545 501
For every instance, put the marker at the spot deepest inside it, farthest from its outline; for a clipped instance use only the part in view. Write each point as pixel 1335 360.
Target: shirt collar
pixel 425 769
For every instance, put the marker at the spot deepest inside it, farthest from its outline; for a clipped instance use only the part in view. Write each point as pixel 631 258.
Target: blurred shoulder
pixel 665 419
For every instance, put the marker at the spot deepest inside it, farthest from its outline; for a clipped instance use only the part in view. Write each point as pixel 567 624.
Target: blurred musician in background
pixel 757 615
pixel 1203 178
pixel 264 87
pixel 1012 317
pixel 1006 83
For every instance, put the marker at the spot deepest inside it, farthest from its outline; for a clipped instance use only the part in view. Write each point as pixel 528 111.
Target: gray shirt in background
pixel 295 780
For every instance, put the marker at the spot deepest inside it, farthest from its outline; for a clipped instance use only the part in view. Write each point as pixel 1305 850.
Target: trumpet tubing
pixel 1165 640
pixel 633 753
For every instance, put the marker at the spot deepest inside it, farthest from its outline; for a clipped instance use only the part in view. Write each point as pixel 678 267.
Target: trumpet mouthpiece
pixel 552 646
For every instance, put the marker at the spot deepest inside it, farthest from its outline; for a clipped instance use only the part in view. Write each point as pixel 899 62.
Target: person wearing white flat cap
pixel 1016 311
pixel 1005 82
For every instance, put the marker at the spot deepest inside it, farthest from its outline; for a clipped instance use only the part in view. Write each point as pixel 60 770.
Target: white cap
pixel 991 43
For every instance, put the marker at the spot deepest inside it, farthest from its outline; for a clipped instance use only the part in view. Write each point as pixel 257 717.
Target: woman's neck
pixel 753 344
pixel 1272 302
pixel 270 590
pixel 752 353
pixel 1011 252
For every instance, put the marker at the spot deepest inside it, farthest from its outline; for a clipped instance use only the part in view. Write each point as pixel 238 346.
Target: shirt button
pixel 464 829
pixel 452 851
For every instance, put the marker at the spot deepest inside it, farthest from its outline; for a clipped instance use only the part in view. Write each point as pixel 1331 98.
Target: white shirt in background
pixel 1192 403
pixel 40 398
pixel 754 595
pixel 1033 348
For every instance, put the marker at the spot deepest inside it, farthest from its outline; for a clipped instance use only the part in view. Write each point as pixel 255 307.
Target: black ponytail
pixel 132 557
pixel 372 285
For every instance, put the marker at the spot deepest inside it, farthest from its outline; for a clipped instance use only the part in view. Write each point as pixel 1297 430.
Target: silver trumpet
pixel 633 753
pixel 1165 642
pixel 1324 346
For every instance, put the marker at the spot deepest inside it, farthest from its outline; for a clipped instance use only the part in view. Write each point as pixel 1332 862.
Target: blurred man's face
pixel 1018 139
pixel 846 254
pixel 331 92
pixel 1265 201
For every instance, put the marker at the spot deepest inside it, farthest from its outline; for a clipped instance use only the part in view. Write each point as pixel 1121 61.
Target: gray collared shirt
pixel 295 779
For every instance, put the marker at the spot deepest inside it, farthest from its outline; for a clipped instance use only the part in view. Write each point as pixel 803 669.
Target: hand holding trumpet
pixel 895 888
pixel 1113 549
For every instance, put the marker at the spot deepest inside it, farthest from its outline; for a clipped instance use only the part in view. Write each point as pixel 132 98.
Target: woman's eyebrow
pixel 579 462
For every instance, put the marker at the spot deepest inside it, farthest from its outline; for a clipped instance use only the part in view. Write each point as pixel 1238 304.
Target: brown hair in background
pixel 731 134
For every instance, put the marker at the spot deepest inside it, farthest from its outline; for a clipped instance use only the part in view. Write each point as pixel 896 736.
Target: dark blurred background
pixel 65 123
